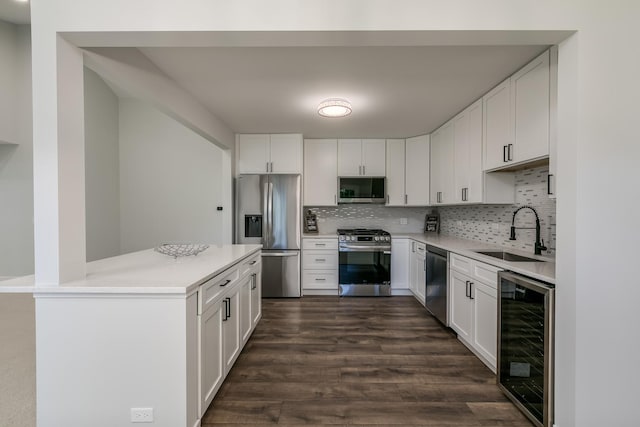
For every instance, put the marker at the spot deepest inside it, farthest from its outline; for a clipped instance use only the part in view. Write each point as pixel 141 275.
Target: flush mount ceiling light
pixel 334 107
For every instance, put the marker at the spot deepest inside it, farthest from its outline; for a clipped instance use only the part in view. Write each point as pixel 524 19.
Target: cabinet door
pixel 231 330
pixel 497 125
pixel 461 156
pixel 413 279
pixel 417 174
pixel 475 174
pixel 253 154
pixel 400 263
pixel 244 311
pixel 286 153
pixel 320 172
pixel 461 305
pixel 421 277
pixel 373 157
pixel 485 321
pixel 210 355
pixel 553 121
pixel 349 157
pixel 395 174
pixel 256 298
pixel 442 163
pixel 530 100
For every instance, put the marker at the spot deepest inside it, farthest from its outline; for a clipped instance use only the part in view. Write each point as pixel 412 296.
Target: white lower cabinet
pixel 418 270
pixel 400 253
pixel 230 306
pixel 320 266
pixel 474 306
pixel 210 356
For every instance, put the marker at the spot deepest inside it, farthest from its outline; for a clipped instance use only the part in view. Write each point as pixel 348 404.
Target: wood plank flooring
pixel 366 361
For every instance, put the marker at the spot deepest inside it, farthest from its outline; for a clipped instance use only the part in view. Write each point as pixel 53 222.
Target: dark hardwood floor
pixel 364 361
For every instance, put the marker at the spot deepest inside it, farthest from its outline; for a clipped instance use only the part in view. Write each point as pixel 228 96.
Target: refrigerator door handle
pixel 270 212
pixel 265 209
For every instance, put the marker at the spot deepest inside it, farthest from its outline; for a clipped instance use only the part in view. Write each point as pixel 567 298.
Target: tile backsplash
pixel 483 223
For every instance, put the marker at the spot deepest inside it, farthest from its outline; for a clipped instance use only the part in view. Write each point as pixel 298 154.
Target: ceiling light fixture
pixel 334 107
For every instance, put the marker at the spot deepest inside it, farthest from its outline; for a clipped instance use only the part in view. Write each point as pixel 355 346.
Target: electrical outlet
pixel 459 223
pixel 141 415
pixel 403 221
pixel 496 226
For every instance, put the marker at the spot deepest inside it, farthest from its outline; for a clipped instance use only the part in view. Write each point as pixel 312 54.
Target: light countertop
pixel 143 272
pixel 545 271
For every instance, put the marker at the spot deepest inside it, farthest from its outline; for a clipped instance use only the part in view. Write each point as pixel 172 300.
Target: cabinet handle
pixel 226 282
pixel 471 290
pixel 318 279
pixel 387 199
pixel 549 184
pixel 253 262
pixel 271 167
pixel 321 259
pixel 321 244
pixel 424 264
pixel 413 246
pixel 466 288
pixel 406 199
pixel 254 281
pixel 504 153
pixel 510 152
pixel 228 307
pixel 224 318
pixel 359 169
pixel 267 164
pixel 335 199
pixel 364 170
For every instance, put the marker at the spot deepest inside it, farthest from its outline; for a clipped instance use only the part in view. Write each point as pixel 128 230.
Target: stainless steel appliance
pixel 525 345
pixel 361 190
pixel 268 213
pixel 364 262
pixel 436 283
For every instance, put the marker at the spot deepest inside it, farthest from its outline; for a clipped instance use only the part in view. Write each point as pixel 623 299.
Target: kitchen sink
pixel 508 256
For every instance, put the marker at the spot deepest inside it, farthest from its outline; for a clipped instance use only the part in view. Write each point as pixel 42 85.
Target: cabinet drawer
pixel 420 248
pixel 320 279
pixel 320 244
pixel 486 273
pixel 319 260
pixel 249 264
pixel 461 264
pixel 212 288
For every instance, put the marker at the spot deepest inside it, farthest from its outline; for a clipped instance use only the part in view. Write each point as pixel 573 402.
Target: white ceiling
pixel 395 91
pixel 14 11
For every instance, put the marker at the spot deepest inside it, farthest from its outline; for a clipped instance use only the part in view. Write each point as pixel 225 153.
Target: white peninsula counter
pixel 143 337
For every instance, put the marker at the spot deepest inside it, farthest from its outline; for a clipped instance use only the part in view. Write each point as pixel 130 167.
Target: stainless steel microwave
pixel 361 189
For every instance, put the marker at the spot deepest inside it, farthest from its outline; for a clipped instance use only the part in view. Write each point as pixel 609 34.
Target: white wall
pixel 16 161
pixel 597 163
pixel 170 181
pixel 102 168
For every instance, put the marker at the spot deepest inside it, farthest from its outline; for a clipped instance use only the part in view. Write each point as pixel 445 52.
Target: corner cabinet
pixel 361 157
pixel 264 153
pixel 407 171
pixel 516 117
pixel 473 306
pixel 320 172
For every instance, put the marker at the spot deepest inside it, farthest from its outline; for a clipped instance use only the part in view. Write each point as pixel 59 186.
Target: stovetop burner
pixel 362 232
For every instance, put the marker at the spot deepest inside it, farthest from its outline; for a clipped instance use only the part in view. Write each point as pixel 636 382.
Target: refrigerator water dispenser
pixel 253 226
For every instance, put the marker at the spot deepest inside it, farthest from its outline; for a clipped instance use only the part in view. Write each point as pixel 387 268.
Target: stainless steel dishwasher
pixel 436 283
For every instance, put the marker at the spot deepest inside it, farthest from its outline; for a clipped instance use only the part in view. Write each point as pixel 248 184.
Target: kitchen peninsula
pixel 144 337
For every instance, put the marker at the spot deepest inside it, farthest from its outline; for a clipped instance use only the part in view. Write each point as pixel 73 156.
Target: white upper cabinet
pixel 468 155
pixel 263 153
pixel 361 157
pixel 417 176
pixel 498 125
pixel 396 172
pixel 320 172
pixel 530 100
pixel 408 171
pixel 516 117
pixel 442 163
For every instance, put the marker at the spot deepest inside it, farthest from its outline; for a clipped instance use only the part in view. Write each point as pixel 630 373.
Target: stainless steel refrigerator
pixel 268 213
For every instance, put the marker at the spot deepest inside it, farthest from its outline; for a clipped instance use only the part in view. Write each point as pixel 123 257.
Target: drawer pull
pixel 321 244
pixel 225 283
pixel 318 279
pixel 321 259
pixel 253 262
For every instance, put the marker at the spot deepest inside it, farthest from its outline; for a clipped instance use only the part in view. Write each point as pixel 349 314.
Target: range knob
pixel 341 238
pixel 376 238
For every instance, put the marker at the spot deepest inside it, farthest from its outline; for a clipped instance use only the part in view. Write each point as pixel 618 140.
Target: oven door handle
pixel 362 248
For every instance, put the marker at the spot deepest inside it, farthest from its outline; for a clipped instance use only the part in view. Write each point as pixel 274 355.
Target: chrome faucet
pixel 539 245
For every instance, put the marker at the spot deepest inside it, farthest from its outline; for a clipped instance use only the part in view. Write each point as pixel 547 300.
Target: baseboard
pixel 320 292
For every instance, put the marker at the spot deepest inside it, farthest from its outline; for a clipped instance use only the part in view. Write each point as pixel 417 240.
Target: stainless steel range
pixel 365 262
